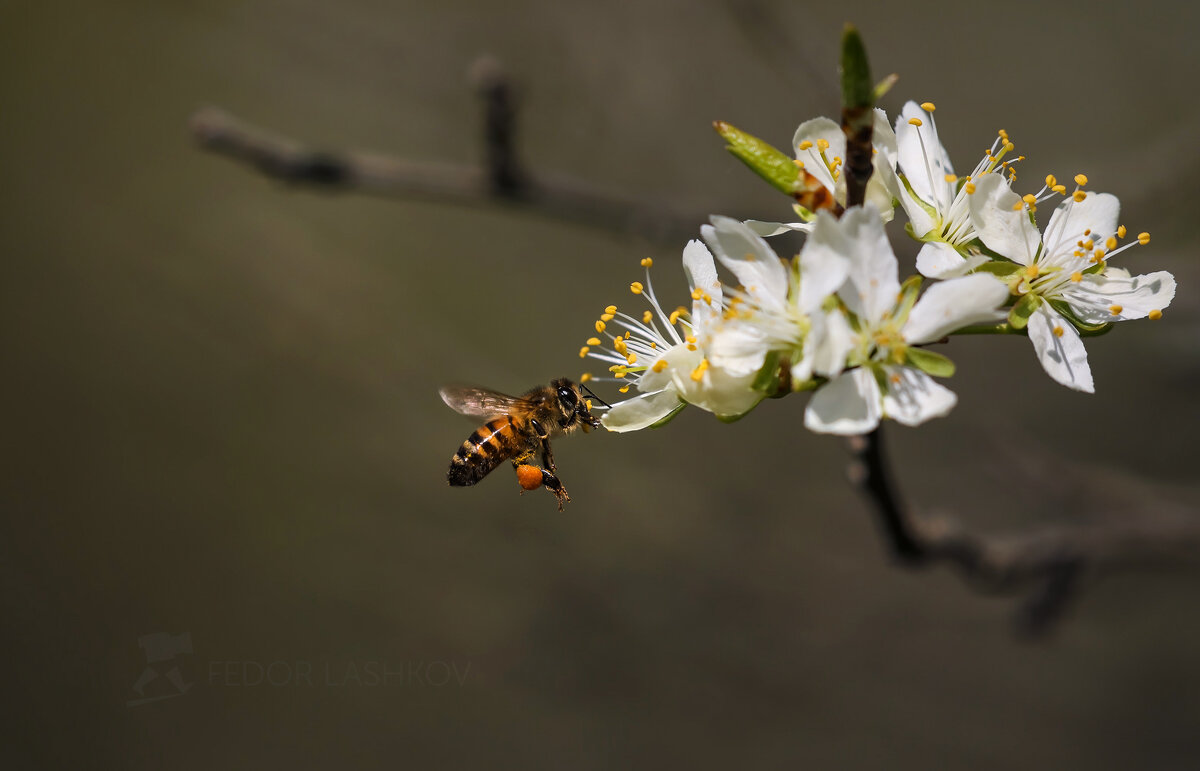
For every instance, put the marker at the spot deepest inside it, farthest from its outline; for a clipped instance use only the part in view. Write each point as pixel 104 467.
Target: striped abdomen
pixel 486 448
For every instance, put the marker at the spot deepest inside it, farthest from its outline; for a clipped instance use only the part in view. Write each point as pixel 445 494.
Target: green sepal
pixel 1000 269
pixel 932 212
pixel 735 418
pixel 804 214
pixel 908 297
pixel 767 379
pixel 1088 330
pixel 857 88
pixel 885 85
pixel 1018 317
pixel 929 362
pixel 763 159
pixel 664 420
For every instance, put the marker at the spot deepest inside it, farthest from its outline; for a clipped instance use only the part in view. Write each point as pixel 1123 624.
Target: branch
pixel 501 181
pixel 1049 564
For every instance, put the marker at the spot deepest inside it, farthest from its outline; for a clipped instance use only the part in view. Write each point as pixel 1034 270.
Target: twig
pixel 500 182
pixel 1049 564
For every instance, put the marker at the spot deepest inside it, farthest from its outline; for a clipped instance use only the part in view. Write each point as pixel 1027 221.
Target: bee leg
pixel 547 456
pixel 555 486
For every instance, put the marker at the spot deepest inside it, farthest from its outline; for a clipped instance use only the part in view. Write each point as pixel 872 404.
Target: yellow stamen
pixel 1060 189
pixel 928 106
pixel 1032 271
pixel 915 122
pixel 607 317
pixel 659 365
pixel 674 317
pixel 895 379
pixel 622 389
pixel 1098 255
pixel 647 317
pixel 1018 206
pixel 588 402
pixel 1080 179
pixel 636 287
pixel 593 341
pixel 822 144
pixel 1078 196
pixel 1058 331
pixel 647 262
pixel 631 359
pixel 619 345
pixel 1110 243
pixel 611 309
pixel 1051 181
pixel 698 372
pixel 586 376
pixel 1077 277
pixel 1154 315
pixel 951 177
pixel 1115 309
pixel 799 163
pixel 1121 231
pixel 805 145
pixel 969 187
pixel 1143 238
pixel 583 351
pixel 697 294
pixel 1029 198
pixel 599 326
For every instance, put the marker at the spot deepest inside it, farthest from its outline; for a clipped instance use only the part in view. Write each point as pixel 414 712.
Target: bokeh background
pixel 222 421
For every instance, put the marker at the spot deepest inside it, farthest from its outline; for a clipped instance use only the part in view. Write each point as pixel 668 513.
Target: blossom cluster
pixel 836 318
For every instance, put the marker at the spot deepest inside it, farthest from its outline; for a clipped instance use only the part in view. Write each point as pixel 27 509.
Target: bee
pixel 517 428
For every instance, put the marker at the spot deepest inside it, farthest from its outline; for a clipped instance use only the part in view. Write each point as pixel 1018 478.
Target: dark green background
pixel 221 414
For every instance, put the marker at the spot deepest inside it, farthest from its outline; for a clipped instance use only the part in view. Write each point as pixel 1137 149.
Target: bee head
pixel 572 404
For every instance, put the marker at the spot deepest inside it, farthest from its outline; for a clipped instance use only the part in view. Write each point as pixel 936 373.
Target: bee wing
pixel 477 402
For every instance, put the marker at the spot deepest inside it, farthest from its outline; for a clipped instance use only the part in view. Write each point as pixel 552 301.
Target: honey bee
pixel 517 428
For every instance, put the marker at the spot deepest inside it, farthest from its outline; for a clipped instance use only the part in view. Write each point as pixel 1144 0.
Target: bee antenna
pixel 593 395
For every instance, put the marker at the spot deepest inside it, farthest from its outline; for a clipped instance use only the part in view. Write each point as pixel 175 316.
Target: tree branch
pixel 1048 564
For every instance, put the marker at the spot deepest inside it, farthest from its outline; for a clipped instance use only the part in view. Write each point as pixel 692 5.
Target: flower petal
pixel 1004 229
pixel 1096 215
pixel 642 411
pixel 748 257
pixel 938 259
pixel 913 397
pixel 768 229
pixel 849 404
pixel 701 273
pixel 954 304
pixel 923 161
pixel 813 131
pixel 873 271
pixel 1113 296
pixel 739 347
pixel 830 340
pixel 1060 349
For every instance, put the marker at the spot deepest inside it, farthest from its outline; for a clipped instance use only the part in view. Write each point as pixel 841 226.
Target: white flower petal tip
pixel 769 229
pixel 953 304
pixel 913 397
pixel 848 405
pixel 642 411
pixel 1060 349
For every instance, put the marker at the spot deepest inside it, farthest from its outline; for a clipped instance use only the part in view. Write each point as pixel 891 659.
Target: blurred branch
pixel 500 181
pixel 1049 564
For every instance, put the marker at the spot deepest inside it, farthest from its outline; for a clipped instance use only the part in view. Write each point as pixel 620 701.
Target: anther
pixel 969 187
pixel 698 372
pixel 647 262
pixel 1051 181
pixel 822 144
pixel 1078 196
pixel 1121 231
pixel 1110 243
pixel 1115 309
pixel 1060 189
pixel 659 365
pixel 599 326
pixel 631 359
pixel 611 309
pixel 805 145
pixel 586 376
pixel 1080 179
pixel 1077 277
pixel 1058 331
pixel 636 287
pixel 1143 238
pixel 607 317
pixel 647 317
pixel 799 163
pixel 951 177
pixel 583 351
pixel 623 389
pixel 1029 198
pixel 915 122
pixel 1154 315
pixel 593 341
pixel 928 106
